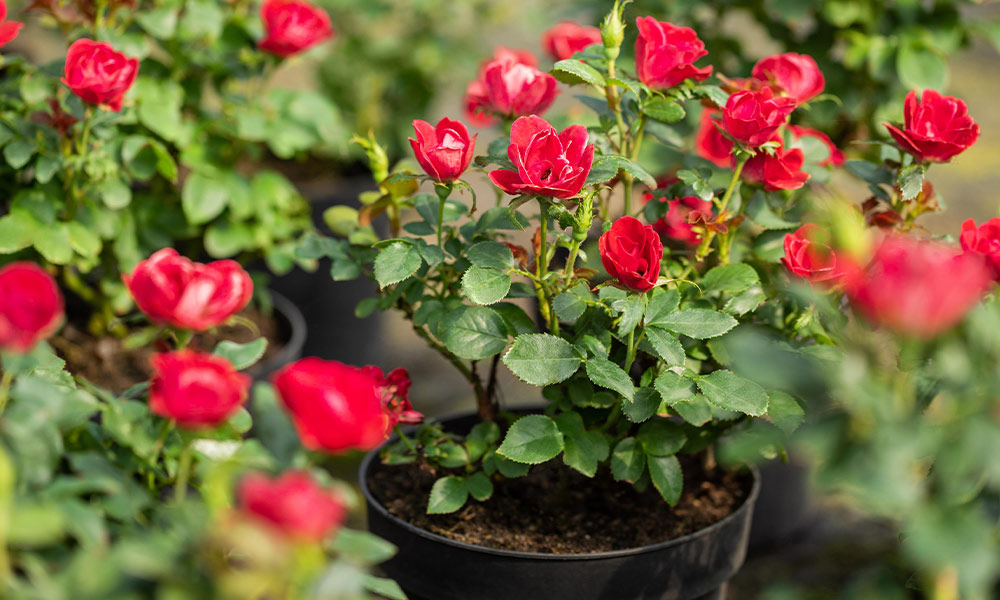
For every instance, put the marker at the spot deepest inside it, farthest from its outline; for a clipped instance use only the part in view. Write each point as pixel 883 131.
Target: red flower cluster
pixel 195 389
pixel 98 74
pixel 172 290
pixel 444 151
pixel 567 38
pixel 796 75
pixel 549 163
pixel 31 307
pixel 510 85
pixel 293 505
pixel 665 54
pixel 782 171
pixel 631 253
pixel 983 240
pixel 935 128
pixel 292 26
pixel 8 29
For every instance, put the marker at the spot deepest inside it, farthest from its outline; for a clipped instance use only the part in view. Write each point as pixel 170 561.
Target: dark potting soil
pixel 556 510
pixel 105 362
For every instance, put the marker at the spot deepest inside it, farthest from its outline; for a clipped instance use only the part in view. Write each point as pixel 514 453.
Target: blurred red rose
pixel 31 306
pixel 98 74
pixel 196 389
pixel 665 54
pixel 984 240
pixel 631 253
pixel 9 29
pixel 709 142
pixel 444 151
pixel 548 163
pixel 836 157
pixel 783 171
pixel 753 117
pixel 935 128
pixel 674 225
pixel 292 26
pixel 173 290
pixel 797 75
pixel 477 98
pixel 293 504
pixel 808 255
pixel 567 38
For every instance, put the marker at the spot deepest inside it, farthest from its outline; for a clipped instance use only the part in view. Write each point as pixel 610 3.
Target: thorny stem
pixel 706 241
pixel 630 356
pixel 541 268
pixel 406 441
pixel 574 250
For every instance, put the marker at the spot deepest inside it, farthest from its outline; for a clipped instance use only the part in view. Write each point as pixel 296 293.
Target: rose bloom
pixel 98 74
pixel 836 157
pixel 195 389
pixel 335 407
pixel 395 393
pixel 753 117
pixel 783 171
pixel 797 75
pixel 984 240
pixel 292 26
pixel 665 54
pixel 31 306
pixel 567 38
pixel 935 128
pixel 674 225
pixel 173 290
pixel 808 255
pixel 549 163
pixel 631 253
pixel 477 98
pixel 444 151
pixel 292 504
pixel 709 143
pixel 515 89
pixel 9 29
pixel 916 288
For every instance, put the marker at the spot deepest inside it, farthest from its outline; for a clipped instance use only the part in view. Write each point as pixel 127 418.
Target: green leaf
pixel 115 194
pixel 673 387
pixel 666 345
pixel 628 460
pixel 243 356
pixel 698 323
pixel 911 181
pixel 734 277
pixel 698 180
pixel 643 406
pixel 571 304
pixel 447 495
pixel 83 240
pixel 574 71
pixel 479 485
pixel 635 304
pixel 19 152
pixel 396 262
pixel 920 67
pixel 661 437
pixel 761 214
pixel 728 390
pixel 52 242
pixel 660 305
pixel 696 410
pixel 16 231
pixel 665 472
pixel 662 109
pixel 583 449
pixel 224 239
pixel 203 198
pixel 532 440
pixel 484 285
pixel 490 254
pixel 541 359
pixel 46 167
pixel 384 587
pixel 474 332
pixel 606 167
pixel 784 411
pixel 607 374
pixel 159 22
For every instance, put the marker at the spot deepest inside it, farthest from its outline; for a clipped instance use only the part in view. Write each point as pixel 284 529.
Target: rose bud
pixel 783 171
pixel 98 74
pixel 335 407
pixel 665 54
pixel 292 26
pixel 395 391
pixel 753 117
pixel 567 38
pixel 444 151
pixel 514 89
pixel 915 288
pixel 984 240
pixel 631 253
pixel 936 128
pixel 836 157
pixel 548 163
pixel 196 389
pixel 674 225
pixel 31 306
pixel 709 143
pixel 808 255
pixel 8 29
pixel 292 504
pixel 173 290
pixel 797 75
pixel 477 98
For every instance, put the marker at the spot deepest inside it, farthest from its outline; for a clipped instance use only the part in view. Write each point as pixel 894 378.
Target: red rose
pixel 984 240
pixel 443 151
pixel 548 163
pixel 808 255
pixel 631 253
pixel 335 407
pixel 567 38
pixel 292 504
pixel 172 290
pixel 783 171
pixel 709 142
pixel 477 97
pixel 98 74
pixel 9 29
pixel 665 54
pixel 395 394
pixel 936 128
pixel 836 157
pixel 293 26
pixel 753 117
pixel 917 288
pixel 674 225
pixel 797 75
pixel 515 89
pixel 196 389
pixel 31 307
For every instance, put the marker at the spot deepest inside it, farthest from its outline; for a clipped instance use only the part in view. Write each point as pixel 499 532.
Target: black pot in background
pixel 292 328
pixel 432 567
pixel 783 508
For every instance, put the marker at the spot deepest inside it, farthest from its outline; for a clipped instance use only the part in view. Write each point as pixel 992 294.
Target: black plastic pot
pixel 292 327
pixel 783 508
pixel 432 567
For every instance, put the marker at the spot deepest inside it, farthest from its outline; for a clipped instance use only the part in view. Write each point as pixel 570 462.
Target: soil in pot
pixel 554 509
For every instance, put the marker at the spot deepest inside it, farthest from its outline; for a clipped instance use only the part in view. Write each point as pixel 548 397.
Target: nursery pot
pixel 432 567
pixel 292 326
pixel 783 506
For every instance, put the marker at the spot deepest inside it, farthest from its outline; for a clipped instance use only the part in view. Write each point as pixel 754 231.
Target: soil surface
pixel 554 509
pixel 106 363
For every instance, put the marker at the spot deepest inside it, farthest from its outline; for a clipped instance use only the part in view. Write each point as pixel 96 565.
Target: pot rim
pixel 373 503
